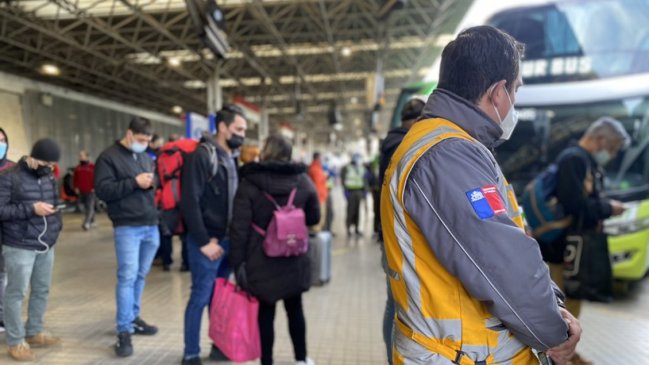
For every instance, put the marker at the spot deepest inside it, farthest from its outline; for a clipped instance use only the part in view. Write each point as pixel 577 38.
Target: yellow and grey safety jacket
pixel 470 286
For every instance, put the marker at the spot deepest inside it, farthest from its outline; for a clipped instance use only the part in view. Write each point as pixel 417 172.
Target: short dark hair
pixel 316 156
pixel 412 110
pixel 140 125
pixel 228 113
pixel 155 138
pixel 478 58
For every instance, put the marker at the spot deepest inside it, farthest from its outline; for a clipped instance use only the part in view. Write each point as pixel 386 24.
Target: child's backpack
pixel 287 233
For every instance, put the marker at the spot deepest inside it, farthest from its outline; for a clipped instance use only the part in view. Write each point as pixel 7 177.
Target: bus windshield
pixel 543 132
pixel 580 40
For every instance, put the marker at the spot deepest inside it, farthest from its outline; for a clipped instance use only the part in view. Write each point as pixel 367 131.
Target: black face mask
pixel 42 171
pixel 235 141
pixel 84 162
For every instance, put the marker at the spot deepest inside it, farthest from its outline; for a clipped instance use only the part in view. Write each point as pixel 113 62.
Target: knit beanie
pixel 46 150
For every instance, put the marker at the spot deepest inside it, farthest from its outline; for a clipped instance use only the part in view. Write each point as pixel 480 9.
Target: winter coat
pixel 270 278
pixel 20 188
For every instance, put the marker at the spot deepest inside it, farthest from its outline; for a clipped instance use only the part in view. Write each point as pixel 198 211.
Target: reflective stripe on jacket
pixel 466 279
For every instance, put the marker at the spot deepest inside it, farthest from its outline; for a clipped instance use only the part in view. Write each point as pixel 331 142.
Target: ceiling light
pixel 51 70
pixel 354 100
pixel 177 109
pixel 346 51
pixel 174 62
pixel 194 84
pixel 338 127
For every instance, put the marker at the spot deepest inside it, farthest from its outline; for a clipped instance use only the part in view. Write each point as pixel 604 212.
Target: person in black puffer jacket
pixel 30 227
pixel 271 279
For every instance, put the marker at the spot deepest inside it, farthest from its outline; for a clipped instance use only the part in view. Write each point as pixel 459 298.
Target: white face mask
pixel 602 157
pixel 511 119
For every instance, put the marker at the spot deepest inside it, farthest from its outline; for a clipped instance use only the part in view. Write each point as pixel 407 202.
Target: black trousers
pixel 88 201
pixel 354 208
pixel 166 249
pixel 296 328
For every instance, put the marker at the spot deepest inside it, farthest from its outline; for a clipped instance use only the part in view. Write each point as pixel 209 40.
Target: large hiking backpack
pixel 169 166
pixel 287 233
pixel 543 212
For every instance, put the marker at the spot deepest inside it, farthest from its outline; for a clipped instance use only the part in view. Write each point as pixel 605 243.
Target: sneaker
pixel 184 267
pixel 86 226
pixel 21 352
pixel 2 327
pixel 143 328
pixel 217 355
pixel 305 362
pixel 124 347
pixel 166 267
pixel 41 340
pixel 192 361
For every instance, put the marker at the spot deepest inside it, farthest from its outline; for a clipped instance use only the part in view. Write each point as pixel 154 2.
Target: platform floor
pixel 343 318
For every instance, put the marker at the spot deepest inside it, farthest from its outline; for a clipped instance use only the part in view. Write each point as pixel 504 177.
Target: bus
pixel 583 60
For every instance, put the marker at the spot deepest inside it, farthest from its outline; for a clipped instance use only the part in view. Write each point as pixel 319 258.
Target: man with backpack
pixel 209 183
pixel 124 179
pixel 579 184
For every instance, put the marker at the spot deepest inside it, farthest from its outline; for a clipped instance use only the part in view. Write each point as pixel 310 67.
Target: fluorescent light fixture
pixel 177 109
pixel 50 70
pixel 174 62
pixel 194 84
pixel 338 127
pixel 346 51
pixel 354 100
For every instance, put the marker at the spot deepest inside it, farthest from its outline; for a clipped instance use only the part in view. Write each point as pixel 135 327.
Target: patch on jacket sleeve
pixel 486 201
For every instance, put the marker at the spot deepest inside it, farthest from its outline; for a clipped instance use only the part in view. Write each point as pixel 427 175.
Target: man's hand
pixel 212 250
pixel 43 209
pixel 618 207
pixel 563 353
pixel 144 180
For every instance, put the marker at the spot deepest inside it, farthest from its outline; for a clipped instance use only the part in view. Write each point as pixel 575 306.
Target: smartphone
pixel 61 206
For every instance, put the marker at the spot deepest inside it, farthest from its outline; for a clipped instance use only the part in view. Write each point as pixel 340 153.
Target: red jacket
pixel 84 178
pixel 319 178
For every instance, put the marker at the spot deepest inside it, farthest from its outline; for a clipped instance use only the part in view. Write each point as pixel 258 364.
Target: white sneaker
pixel 308 361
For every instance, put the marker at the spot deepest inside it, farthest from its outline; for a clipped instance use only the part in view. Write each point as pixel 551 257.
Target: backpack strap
pixel 214 161
pixel 259 230
pixel 289 203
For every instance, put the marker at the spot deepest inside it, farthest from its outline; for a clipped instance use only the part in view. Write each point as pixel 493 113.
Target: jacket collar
pixel 447 105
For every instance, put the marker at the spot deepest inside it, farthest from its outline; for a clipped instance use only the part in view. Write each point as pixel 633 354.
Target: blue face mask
pixel 3 150
pixel 138 147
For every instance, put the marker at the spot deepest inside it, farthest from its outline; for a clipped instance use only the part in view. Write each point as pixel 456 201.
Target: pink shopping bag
pixel 233 322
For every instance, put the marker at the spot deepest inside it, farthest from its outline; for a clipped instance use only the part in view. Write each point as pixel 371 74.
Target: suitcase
pixel 320 255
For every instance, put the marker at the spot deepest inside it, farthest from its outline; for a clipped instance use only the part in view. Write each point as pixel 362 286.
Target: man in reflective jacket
pixel 469 286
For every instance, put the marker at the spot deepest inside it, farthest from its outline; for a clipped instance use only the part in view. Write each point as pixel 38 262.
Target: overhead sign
pixel 196 125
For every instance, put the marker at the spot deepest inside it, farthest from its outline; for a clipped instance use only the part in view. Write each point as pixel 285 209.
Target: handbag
pixel 588 273
pixel 233 322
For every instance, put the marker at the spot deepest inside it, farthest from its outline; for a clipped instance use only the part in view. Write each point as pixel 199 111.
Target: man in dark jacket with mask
pixel 580 182
pixel 409 115
pixel 209 182
pixel 5 164
pixel 30 227
pixel 124 180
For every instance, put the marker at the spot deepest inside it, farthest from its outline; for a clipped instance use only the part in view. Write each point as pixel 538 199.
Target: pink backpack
pixel 287 234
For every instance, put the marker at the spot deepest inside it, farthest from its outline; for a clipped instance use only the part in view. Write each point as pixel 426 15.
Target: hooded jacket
pixel 388 146
pixel 466 279
pixel 20 188
pixel 270 278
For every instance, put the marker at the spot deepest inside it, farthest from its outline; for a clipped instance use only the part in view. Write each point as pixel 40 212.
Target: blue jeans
pixel 135 248
pixel 204 272
pixel 25 269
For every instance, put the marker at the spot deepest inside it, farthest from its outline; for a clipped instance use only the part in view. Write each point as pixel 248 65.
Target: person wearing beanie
pixel 30 224
pixel 5 164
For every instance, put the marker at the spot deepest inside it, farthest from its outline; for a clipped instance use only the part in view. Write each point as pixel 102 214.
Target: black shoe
pixel 143 328
pixel 184 268
pixel 217 355
pixel 359 234
pixel 2 327
pixel 124 347
pixel 166 268
pixel 193 361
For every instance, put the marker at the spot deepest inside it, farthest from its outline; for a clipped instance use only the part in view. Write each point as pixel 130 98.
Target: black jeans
pixel 354 208
pixel 166 249
pixel 296 328
pixel 88 201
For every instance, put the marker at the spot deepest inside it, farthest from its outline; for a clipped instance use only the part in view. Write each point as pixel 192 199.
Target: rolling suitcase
pixel 320 255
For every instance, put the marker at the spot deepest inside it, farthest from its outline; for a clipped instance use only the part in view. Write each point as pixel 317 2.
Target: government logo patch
pixel 486 201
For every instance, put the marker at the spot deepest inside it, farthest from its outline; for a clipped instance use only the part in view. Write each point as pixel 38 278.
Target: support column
pixel 264 123
pixel 214 92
